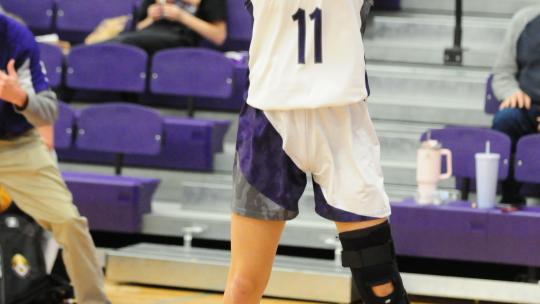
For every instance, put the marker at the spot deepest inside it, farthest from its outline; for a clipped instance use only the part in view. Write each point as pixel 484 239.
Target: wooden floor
pixel 135 294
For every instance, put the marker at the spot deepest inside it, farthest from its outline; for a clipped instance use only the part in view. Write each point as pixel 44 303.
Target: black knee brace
pixel 371 256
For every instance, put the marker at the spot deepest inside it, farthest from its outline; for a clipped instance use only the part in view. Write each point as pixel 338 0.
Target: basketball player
pixel 306 111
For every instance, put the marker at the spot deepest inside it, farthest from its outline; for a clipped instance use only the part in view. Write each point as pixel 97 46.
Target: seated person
pixel 517 82
pixel 177 23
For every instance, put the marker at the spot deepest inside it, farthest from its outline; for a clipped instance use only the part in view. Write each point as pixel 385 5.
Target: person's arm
pixel 506 68
pixel 146 14
pixel 40 109
pixel 215 31
pixel 505 83
pixel 47 132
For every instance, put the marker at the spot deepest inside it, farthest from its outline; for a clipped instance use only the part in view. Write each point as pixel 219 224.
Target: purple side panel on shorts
pixel 264 163
pixel 334 214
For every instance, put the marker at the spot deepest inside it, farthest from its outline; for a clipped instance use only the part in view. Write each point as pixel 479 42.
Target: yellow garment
pixel 5 200
pixel 107 29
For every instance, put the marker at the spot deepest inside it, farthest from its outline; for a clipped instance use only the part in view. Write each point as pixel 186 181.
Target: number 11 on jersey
pixel 316 16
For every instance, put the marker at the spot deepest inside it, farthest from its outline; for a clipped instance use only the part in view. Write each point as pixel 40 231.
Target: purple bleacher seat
pixel 64 126
pixel 76 19
pixel 237 99
pixel 192 72
pixel 527 160
pixel 37 14
pixel 239 27
pixel 189 145
pixel 459 232
pixel 513 237
pixel 111 203
pixel 455 231
pixel 120 128
pixel 492 104
pixel 107 67
pixel 465 142
pixel 53 59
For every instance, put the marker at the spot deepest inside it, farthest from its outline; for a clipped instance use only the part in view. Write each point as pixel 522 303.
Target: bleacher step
pixel 206 269
pixel 502 7
pixel 438 28
pixel 426 53
pixel 292 277
pixel 406 109
pixel 168 219
pixel 438 85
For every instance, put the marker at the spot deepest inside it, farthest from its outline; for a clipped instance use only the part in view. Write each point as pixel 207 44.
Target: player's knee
pixel 242 288
pixel 383 290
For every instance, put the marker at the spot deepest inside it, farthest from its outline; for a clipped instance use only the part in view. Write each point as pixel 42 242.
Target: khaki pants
pixel 30 176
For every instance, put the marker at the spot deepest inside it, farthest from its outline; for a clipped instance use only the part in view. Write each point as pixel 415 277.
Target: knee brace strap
pixel 369 256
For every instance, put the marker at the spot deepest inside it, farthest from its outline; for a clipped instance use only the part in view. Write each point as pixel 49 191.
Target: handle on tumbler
pixel 448 173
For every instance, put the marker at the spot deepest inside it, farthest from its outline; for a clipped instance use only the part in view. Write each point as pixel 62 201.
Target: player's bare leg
pixel 254 244
pixel 381 290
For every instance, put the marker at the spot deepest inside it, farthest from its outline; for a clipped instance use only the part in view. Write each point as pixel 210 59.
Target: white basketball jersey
pixel 307 53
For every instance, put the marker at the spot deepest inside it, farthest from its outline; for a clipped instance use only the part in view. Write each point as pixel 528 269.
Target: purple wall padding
pixel 111 203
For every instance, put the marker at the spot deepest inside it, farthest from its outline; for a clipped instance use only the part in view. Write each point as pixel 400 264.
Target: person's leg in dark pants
pixel 516 123
pixel 151 41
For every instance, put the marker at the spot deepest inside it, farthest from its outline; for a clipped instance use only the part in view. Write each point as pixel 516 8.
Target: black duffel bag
pixel 24 276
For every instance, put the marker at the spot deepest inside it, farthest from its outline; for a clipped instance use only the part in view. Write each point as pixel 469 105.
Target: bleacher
pixel 196 94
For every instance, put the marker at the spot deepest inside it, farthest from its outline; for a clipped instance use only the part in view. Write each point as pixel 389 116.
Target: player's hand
pixel 155 11
pixel 194 2
pixel 172 12
pixel 518 99
pixel 10 89
pixel 538 119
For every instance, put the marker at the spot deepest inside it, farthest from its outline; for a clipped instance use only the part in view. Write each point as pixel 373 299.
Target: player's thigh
pixel 254 244
pixel 30 176
pixel 346 227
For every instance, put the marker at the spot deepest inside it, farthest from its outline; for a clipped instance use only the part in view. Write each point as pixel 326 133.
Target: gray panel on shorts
pixel 249 202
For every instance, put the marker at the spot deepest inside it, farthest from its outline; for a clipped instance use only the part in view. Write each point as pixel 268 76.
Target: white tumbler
pixel 487 172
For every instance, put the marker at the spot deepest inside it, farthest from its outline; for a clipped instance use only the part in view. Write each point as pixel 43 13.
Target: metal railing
pixel 454 55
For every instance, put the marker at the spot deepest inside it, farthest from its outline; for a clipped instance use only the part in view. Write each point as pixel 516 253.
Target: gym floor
pixel 137 294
